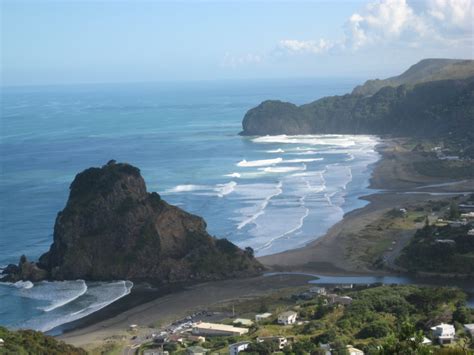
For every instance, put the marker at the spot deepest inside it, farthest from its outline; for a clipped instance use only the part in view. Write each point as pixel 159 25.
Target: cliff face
pixel 434 108
pixel 111 228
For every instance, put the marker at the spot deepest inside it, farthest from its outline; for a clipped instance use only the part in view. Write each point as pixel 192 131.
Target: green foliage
pixel 376 329
pixel 26 342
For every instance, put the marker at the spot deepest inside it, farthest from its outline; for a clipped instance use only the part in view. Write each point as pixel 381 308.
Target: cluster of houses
pixel 441 334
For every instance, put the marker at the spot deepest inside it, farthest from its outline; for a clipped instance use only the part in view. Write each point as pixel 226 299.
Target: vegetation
pixel 381 320
pixel 428 252
pixel 26 342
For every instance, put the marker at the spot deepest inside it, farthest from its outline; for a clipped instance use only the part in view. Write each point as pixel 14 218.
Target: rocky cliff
pixel 429 109
pixel 112 228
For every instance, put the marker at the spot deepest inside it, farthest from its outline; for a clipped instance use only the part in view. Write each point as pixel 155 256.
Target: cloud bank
pixel 408 23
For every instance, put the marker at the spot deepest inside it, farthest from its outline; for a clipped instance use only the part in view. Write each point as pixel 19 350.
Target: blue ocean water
pixel 270 193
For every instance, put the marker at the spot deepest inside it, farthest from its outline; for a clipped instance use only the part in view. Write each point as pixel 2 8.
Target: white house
pixel 470 232
pixel 280 341
pixel 288 317
pixel 321 291
pixel 262 316
pixel 444 333
pixel 236 348
pixel 2 342
pixel 215 329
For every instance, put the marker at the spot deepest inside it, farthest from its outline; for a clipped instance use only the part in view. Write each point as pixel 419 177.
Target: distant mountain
pixel 427 108
pixel 112 229
pixel 423 71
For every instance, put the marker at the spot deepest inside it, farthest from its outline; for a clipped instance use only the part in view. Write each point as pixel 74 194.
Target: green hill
pixel 425 109
pixel 423 71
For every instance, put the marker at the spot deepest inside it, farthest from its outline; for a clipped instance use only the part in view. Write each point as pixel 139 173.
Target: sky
pixel 70 41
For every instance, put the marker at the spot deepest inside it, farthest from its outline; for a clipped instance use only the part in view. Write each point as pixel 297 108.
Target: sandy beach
pixel 396 185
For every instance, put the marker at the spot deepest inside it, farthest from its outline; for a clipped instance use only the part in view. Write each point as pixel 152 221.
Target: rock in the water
pixel 111 228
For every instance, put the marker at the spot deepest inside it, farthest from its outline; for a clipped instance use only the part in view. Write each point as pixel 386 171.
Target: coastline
pixel 327 255
pixel 397 186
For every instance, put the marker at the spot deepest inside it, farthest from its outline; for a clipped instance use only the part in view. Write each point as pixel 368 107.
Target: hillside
pixel 423 71
pixel 427 109
pixel 25 342
pixel 112 228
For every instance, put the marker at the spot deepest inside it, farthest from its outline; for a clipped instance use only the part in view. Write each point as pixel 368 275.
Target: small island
pixel 113 229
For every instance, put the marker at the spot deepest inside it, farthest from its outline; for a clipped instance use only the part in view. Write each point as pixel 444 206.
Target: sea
pixel 270 193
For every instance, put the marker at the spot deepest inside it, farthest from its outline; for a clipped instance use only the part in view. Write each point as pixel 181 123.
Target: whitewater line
pixel 262 207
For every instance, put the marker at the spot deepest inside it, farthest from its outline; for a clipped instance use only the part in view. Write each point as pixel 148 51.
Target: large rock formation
pixel 416 103
pixel 111 228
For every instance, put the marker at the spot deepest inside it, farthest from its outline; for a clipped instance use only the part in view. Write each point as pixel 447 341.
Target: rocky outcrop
pixel 431 109
pixel 112 228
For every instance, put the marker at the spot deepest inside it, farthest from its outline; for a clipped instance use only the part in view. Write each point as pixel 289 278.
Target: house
pixel 286 318
pixel 470 232
pixel 444 333
pixel 280 341
pixel 2 342
pixel 321 291
pixel 132 327
pixel 236 348
pixel 468 215
pixel 354 351
pixel 196 350
pixel 216 329
pixel 243 321
pixel 262 316
pixel 469 329
pixel 335 299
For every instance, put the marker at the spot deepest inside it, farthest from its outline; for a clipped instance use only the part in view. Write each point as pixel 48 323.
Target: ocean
pixel 270 193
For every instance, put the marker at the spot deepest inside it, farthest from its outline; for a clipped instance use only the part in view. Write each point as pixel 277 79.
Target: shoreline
pixel 325 256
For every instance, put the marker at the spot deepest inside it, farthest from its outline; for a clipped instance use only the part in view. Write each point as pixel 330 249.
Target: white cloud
pixel 294 46
pixel 400 22
pixel 233 61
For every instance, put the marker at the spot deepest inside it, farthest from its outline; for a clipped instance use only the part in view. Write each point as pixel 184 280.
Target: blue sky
pixel 49 42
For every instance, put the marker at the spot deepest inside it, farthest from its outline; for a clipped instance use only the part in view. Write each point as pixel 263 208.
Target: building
pixel 245 322
pixel 469 329
pixel 214 329
pixel 132 327
pixel 321 291
pixel 236 348
pixel 262 316
pixel 444 333
pixel 469 215
pixel 456 224
pixel 464 207
pixel 354 351
pixel 288 317
pixel 335 299
pixel 2 342
pixel 196 350
pixel 470 232
pixel 280 341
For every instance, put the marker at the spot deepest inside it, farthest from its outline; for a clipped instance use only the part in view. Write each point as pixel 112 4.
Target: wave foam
pixel 279 150
pixel 262 207
pixel 283 169
pixel 255 163
pixel 225 189
pixel 233 175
